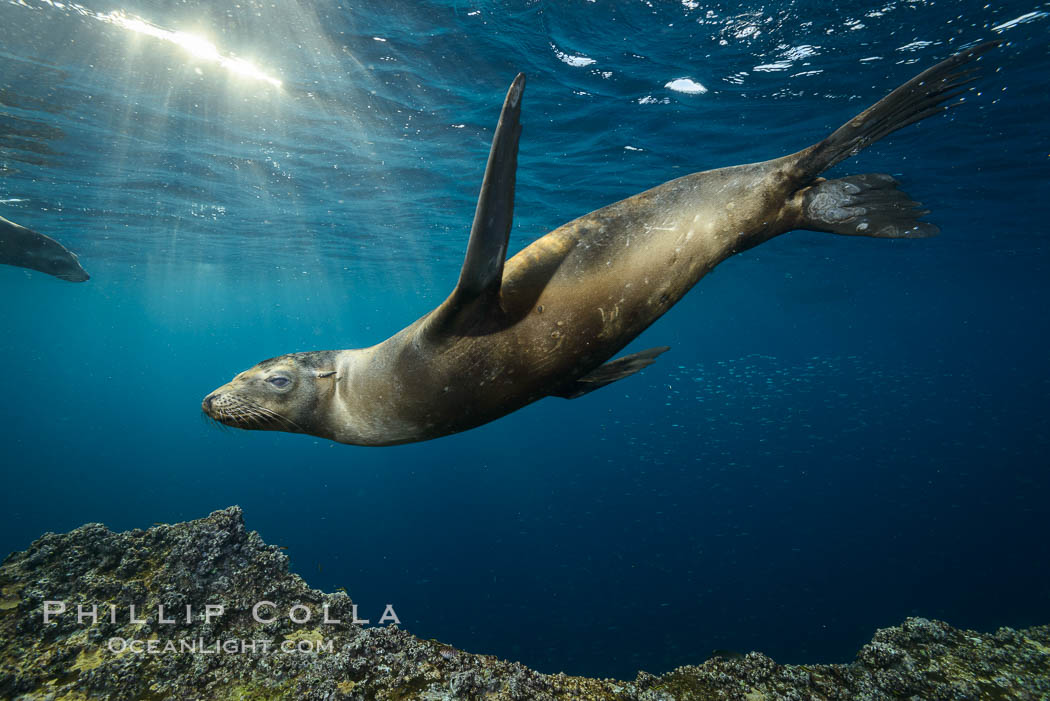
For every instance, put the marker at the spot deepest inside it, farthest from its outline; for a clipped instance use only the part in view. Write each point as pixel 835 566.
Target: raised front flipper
pixel 477 293
pixel 610 372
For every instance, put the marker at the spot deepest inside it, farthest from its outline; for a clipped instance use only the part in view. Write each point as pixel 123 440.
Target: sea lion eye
pixel 278 381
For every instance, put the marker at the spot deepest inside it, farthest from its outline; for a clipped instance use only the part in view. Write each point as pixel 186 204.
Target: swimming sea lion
pixel 546 322
pixel 26 248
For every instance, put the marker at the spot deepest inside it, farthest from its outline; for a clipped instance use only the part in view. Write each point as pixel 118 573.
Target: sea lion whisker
pixel 220 420
pixel 264 417
pixel 240 409
pixel 210 421
pixel 247 416
pixel 246 410
pixel 278 417
pixel 251 404
pixel 243 407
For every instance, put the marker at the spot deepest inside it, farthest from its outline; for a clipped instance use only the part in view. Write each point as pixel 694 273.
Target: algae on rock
pixel 216 560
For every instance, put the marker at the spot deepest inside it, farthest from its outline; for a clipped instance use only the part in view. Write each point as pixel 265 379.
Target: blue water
pixel 846 431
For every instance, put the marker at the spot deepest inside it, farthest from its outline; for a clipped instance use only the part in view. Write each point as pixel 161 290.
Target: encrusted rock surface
pixel 216 560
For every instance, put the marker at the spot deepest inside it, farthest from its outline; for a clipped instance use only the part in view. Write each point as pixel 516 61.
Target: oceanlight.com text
pixel 232 646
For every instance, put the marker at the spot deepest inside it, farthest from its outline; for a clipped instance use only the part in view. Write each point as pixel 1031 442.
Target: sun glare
pixel 195 45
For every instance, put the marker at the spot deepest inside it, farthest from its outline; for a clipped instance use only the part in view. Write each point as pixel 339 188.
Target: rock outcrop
pixel 159 651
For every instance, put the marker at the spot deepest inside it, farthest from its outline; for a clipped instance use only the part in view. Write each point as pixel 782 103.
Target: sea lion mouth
pixel 240 412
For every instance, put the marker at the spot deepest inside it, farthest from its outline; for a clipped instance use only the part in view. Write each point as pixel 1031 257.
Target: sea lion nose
pixel 206 404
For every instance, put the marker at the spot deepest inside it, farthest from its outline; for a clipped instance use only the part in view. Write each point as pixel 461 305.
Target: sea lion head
pixel 287 393
pixel 51 257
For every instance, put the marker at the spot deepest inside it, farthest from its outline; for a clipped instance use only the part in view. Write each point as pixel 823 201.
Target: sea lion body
pixel 570 301
pixel 547 321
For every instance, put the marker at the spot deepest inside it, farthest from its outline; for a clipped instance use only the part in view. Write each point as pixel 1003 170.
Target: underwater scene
pixel 843 432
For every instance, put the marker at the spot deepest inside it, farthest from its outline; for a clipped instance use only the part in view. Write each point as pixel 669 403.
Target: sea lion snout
pixel 234 409
pixel 211 405
pixel 79 275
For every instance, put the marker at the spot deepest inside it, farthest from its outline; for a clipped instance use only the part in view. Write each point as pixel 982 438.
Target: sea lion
pixel 26 248
pixel 547 321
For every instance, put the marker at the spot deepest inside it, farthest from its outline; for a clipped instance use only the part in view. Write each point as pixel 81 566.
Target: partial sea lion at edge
pixel 547 321
pixel 26 248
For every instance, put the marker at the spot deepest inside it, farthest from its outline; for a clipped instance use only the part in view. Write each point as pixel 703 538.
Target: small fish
pixel 725 655
pixel 342 589
pixel 282 547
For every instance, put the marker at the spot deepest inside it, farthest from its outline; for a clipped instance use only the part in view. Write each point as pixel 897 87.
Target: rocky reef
pixel 163 650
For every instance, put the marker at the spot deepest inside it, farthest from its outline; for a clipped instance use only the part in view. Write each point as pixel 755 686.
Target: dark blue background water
pixel 846 431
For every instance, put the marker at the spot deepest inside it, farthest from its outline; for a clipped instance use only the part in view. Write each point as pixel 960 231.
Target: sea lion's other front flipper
pixel 610 372
pixel 477 292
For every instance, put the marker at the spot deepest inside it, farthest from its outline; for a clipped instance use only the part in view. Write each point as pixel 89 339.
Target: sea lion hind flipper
pixel 482 271
pixel 922 96
pixel 610 372
pixel 863 205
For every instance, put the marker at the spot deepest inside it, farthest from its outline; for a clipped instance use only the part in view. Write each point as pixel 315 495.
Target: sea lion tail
pixel 922 96
pixel 871 205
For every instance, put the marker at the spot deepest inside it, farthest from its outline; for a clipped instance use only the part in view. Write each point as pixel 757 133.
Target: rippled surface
pixel 846 431
pixel 180 157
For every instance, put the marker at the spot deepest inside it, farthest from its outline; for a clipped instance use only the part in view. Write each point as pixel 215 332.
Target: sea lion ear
pixel 482 272
pixel 327 373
